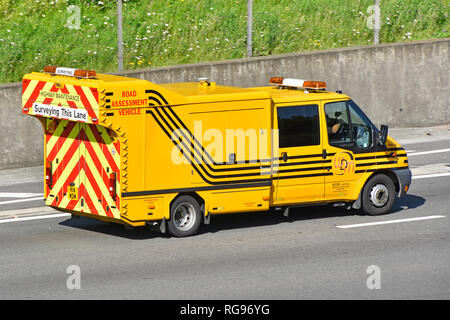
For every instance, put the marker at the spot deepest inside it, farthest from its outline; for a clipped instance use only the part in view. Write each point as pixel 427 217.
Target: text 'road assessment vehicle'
pixel 130 151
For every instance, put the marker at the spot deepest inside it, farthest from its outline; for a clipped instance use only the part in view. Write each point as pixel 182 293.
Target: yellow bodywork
pixel 215 142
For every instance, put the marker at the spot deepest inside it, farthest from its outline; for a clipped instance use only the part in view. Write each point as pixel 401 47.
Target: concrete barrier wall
pixel 21 136
pixel 401 85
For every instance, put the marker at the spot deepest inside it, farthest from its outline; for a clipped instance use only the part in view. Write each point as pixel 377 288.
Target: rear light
pixel 48 174
pixel 51 126
pixel 112 185
pixel 78 73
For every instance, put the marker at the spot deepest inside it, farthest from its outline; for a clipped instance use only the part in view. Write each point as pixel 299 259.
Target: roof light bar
pixel 78 73
pixel 298 83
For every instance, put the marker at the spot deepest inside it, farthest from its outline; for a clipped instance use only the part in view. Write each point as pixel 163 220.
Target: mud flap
pixel 357 203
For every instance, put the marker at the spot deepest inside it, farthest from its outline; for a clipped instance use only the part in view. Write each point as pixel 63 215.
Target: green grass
pixel 33 33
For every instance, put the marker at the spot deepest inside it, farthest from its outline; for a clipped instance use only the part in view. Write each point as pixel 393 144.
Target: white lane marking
pixel 434 175
pixel 19 195
pixel 21 200
pixel 56 215
pixel 388 222
pixel 428 152
pixel 4 214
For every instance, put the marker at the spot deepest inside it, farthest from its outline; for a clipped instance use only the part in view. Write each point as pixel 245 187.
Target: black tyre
pixel 185 217
pixel 378 195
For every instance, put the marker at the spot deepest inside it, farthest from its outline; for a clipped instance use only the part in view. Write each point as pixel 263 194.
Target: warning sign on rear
pixel 46 110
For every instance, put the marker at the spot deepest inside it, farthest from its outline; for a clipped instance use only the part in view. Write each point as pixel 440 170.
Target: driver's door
pixel 299 175
pixel 348 135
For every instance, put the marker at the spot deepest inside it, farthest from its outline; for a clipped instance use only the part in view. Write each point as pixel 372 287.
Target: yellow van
pixel 171 155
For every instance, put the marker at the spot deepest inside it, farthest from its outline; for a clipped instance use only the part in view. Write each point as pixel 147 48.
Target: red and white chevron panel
pixel 42 97
pixel 84 156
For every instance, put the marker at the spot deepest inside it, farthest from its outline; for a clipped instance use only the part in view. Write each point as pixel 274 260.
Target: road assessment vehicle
pixel 171 155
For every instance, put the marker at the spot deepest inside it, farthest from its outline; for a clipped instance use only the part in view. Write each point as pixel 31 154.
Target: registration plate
pixel 72 193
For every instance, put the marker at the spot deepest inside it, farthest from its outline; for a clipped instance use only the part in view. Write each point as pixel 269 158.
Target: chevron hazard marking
pixel 80 154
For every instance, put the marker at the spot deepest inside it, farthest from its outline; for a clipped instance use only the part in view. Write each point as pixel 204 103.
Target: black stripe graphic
pixel 154 99
pixel 373 170
pixel 195 150
pixel 196 142
pixel 158 94
pixel 285 164
pixel 194 165
pixel 380 157
pixel 304 169
pixel 195 159
pixel 306 175
pixel 375 163
pixel 191 136
pixel 248 185
pixel 195 153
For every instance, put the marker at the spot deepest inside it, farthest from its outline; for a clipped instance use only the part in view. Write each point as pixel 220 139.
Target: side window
pixel 348 127
pixel 338 124
pixel 361 127
pixel 298 126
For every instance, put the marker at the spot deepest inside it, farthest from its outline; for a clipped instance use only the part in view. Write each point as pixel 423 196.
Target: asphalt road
pixel 315 253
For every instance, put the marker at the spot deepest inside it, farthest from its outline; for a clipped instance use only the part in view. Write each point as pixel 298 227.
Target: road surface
pixel 315 253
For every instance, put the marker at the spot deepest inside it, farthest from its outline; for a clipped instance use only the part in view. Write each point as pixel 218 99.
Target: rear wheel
pixel 185 217
pixel 378 195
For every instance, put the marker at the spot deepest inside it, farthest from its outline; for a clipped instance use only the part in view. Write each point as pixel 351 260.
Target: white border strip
pixel 388 222
pixel 56 215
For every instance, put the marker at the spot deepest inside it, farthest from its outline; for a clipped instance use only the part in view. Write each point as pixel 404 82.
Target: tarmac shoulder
pixel 420 135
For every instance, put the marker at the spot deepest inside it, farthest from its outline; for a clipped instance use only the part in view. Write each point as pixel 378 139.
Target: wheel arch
pixel 387 172
pixel 390 174
pixel 194 195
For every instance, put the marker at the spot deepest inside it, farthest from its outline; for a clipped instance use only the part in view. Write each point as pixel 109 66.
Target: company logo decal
pixel 343 163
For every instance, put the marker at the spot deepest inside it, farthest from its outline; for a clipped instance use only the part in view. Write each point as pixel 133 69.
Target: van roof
pixel 193 92
pixel 101 77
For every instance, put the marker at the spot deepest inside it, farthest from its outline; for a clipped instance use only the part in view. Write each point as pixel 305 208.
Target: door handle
pixel 284 156
pixel 324 154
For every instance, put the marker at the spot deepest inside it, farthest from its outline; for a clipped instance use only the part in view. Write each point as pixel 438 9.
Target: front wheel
pixel 185 217
pixel 378 195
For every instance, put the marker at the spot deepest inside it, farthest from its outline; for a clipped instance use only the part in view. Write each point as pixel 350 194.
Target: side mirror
pixel 383 134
